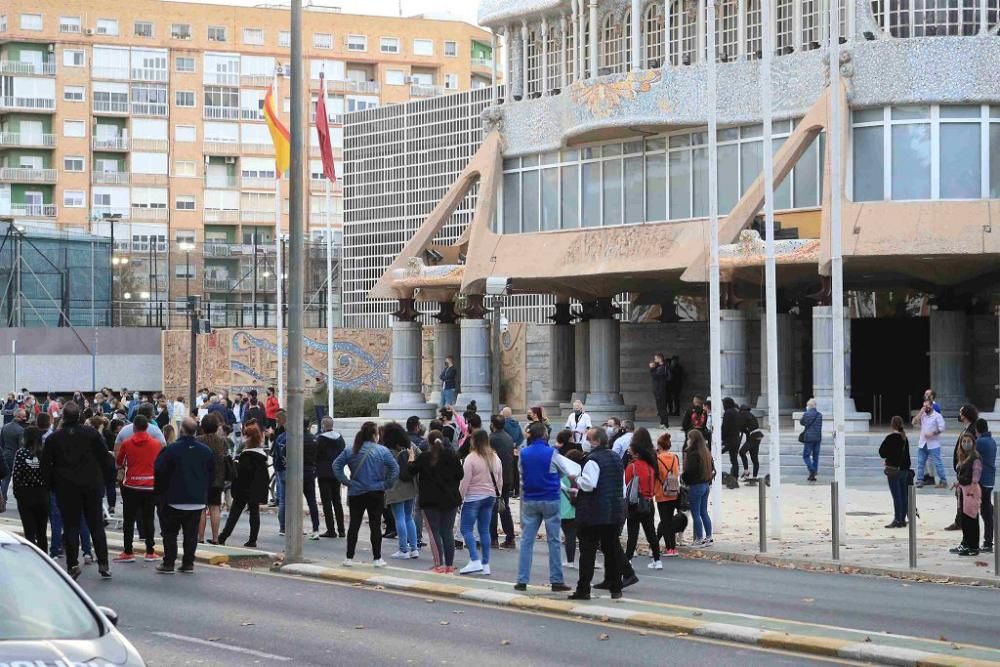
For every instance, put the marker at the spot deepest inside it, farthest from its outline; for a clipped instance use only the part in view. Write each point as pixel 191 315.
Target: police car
pixel 46 619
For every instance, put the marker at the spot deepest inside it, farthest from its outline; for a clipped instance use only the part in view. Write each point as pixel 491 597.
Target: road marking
pixel 227 647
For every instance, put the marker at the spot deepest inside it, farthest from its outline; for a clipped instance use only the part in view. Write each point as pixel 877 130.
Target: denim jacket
pixel 372 469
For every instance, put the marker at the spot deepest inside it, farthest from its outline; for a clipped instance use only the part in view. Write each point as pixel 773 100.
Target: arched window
pixel 653 29
pixel 754 38
pixel 611 46
pixel 569 44
pixel 553 66
pixel 682 36
pixel 811 24
pixel 727 36
pixel 918 18
pixel 534 62
pixel 785 20
pixel 627 42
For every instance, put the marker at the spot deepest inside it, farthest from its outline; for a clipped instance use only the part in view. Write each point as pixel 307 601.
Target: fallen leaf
pixel 942 638
pixel 444 622
pixel 359 627
pixel 982 563
pixel 603 637
pixel 504 642
pixel 643 633
pixel 808 599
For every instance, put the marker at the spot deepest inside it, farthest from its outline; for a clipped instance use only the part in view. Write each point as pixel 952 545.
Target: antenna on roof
pixel 400 8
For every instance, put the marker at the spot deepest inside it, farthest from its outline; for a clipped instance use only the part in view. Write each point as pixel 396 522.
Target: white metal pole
pixel 592 46
pixel 833 136
pixel 635 47
pixel 770 278
pixel 329 303
pixel 279 334
pixel 714 292
pixel 13 365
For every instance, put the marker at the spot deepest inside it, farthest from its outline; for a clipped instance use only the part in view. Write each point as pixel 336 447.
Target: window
pixel 74 58
pixel 143 29
pixel 322 40
pixel 611 45
pixel 184 64
pixel 682 35
pixel 253 36
pixel 73 198
pixel 74 128
pixel 451 49
pixel 180 31
pixel 185 168
pixel 451 81
pixel 654 35
pixel 284 39
pixel 216 33
pixel 357 43
pixel 395 77
pixel 185 133
pixel 184 203
pixel 107 27
pixel 184 98
pixel 31 21
pixel 423 47
pixel 389 45
pixel 73 163
pixel 69 24
pixel 73 93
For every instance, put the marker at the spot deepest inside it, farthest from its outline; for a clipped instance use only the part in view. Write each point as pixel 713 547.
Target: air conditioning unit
pixel 89 32
pixel 230 160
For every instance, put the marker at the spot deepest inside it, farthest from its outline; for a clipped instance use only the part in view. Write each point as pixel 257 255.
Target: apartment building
pixel 142 120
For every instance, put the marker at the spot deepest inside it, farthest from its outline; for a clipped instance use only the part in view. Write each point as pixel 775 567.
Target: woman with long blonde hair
pixel 699 469
pixel 480 487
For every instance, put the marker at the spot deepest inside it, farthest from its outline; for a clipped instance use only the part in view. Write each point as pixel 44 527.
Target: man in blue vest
pixel 540 467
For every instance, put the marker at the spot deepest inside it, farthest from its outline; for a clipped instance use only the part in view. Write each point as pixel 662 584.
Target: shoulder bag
pixel 501 505
pixel 634 496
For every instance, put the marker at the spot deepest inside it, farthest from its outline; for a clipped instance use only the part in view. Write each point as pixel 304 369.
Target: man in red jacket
pixel 137 455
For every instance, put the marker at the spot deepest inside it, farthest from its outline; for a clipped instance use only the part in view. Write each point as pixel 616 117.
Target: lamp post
pixel 112 218
pixel 115 263
pixel 187 247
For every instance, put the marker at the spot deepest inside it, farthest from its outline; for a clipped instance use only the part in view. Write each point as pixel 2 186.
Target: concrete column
pixel 446 344
pixel 636 46
pixel 595 39
pixel 562 349
pixel 508 63
pixel 581 358
pixel 476 382
pixel 949 358
pixel 822 324
pixel 407 396
pixel 733 333
pixel 524 60
pixel 563 53
pixel 786 365
pixel 605 399
pixel 543 85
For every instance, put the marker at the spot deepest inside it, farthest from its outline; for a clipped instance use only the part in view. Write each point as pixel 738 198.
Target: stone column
pixel 949 358
pixel 822 327
pixel 524 60
pixel 407 396
pixel 543 84
pixel 446 344
pixel 595 40
pixel 562 349
pixel 581 357
pixel 786 365
pixel 605 399
pixel 733 334
pixel 476 367
pixel 635 47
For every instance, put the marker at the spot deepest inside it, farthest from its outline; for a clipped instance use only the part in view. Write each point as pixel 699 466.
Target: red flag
pixel 323 130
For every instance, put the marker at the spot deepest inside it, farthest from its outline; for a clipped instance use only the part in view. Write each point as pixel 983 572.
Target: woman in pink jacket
pixel 480 488
pixel 969 469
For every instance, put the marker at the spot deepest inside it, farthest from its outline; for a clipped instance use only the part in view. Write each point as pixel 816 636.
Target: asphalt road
pixel 227 617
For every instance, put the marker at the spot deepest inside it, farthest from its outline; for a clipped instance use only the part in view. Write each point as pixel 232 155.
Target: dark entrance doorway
pixel 890 368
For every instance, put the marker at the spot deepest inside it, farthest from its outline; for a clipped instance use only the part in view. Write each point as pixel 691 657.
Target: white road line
pixel 227 647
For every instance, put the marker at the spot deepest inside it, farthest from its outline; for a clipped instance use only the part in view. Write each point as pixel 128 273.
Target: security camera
pixel 497 286
pixel 504 324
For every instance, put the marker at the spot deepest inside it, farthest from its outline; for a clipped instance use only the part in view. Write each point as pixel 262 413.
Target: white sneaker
pixel 696 543
pixel 281 533
pixel 348 562
pixel 314 536
pixel 707 542
pixel 473 567
pixel 486 570
pixel 415 553
pixel 400 555
pixel 655 565
pixel 569 565
pixel 378 563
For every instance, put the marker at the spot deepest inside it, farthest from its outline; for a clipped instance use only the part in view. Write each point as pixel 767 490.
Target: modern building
pixel 143 121
pixel 591 182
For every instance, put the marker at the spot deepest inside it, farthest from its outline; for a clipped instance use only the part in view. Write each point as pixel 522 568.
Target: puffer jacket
pixel 812 423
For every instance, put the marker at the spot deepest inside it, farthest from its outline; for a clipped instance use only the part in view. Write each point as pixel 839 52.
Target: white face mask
pixel 586 446
pixel 610 430
pixel 314 429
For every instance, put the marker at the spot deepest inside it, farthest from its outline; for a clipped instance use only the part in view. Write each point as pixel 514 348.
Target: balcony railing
pixel 221 215
pixel 222 113
pixel 16 67
pixel 33 210
pixel 256 183
pixel 110 143
pixel 221 147
pixel 217 182
pixel 222 249
pixel 483 62
pixel 319 185
pixel 149 109
pixel 110 177
pixel 251 114
pixel 149 179
pixel 256 216
pixel 149 74
pixel 418 90
pixel 223 284
pixel 257 80
pixel 22 139
pixel 332 118
pixel 335 86
pixel 119 73
pixel 20 175
pixel 338 153
pixel 221 79
pixel 100 212
pixel 156 145
pixel 12 103
pixel 105 106
pixel 144 214
pixel 257 148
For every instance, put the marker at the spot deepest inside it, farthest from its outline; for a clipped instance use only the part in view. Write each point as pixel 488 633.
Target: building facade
pixel 592 183
pixel 146 118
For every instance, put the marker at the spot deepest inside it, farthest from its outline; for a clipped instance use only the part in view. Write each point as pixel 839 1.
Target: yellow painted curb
pixel 665 623
pixel 218 559
pixel 943 660
pixel 345 575
pixel 543 604
pixel 434 588
pixel 803 643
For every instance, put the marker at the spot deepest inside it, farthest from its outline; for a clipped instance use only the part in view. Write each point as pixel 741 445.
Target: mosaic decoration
pixel 513 367
pixel 603 98
pixel 750 251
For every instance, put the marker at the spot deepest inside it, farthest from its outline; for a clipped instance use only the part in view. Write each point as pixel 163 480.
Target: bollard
pixel 762 512
pixel 996 532
pixel 834 501
pixel 911 515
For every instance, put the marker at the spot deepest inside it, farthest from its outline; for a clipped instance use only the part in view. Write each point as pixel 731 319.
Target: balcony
pixel 221 215
pixel 101 212
pixel 222 79
pixel 332 118
pixel 110 143
pixel 222 113
pixel 110 177
pixel 16 67
pixel 116 73
pixel 149 74
pixel 42 104
pixel 17 139
pixel 145 214
pixel 155 145
pixel 338 153
pixel 251 114
pixel 150 179
pixel 221 147
pixel 157 109
pixel 483 62
pixel 256 216
pixel 371 87
pixel 267 149
pixel 256 80
pixel 317 185
pixel 257 183
pixel 216 182
pixel 220 284
pixel 223 250
pixel 419 90
pixel 33 210
pixel 19 175
pixel 105 106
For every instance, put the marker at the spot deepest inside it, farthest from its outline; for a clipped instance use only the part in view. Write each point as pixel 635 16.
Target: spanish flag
pixel 279 135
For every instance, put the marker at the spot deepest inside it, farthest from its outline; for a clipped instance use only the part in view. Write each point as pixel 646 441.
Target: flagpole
pixel 329 281
pixel 279 338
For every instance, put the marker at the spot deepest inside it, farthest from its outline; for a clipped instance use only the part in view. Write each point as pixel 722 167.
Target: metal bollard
pixel 834 502
pixel 762 512
pixel 996 533
pixel 911 515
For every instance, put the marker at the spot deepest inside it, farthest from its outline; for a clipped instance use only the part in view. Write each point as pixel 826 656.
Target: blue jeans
pixel 279 488
pixel 56 543
pixel 935 454
pixel 810 455
pixel 533 514
pixel 406 528
pixel 478 513
pixel 447 397
pixel 897 487
pixel 698 496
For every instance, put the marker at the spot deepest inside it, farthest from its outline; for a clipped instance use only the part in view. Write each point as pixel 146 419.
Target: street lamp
pixel 111 219
pixel 186 247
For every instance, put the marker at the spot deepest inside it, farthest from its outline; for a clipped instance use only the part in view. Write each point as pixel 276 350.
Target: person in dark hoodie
pixel 732 433
pixel 309 476
pixel 255 411
pixel 329 445
pixel 76 465
pixel 659 373
pixel 251 486
pixel 987 448
pixel 751 443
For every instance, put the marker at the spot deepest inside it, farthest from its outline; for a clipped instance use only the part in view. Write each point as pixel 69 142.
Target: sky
pixel 462 9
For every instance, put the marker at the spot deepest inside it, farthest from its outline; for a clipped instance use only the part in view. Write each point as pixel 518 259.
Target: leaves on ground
pixel 504 642
pixel 603 637
pixel 445 622
pixel 808 599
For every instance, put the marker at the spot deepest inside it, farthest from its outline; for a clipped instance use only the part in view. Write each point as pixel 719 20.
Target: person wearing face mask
pixel 696 418
pixel 537 414
pixel 133 405
pixel 968 415
pixel 579 423
pixel 969 494
pixel 621 439
pixel 11 437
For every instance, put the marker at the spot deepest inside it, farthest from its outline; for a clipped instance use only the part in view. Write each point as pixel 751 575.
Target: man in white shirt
pixel 579 423
pixel 621 444
pixel 931 427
